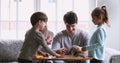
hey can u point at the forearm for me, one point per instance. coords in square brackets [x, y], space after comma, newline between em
[41, 41]
[94, 46]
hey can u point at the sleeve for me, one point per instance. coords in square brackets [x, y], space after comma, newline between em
[99, 40]
[39, 37]
[56, 43]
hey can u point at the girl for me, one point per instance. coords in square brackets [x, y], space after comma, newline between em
[97, 42]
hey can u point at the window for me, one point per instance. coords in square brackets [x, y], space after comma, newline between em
[56, 9]
[15, 15]
[14, 19]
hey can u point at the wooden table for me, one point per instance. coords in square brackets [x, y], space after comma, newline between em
[66, 57]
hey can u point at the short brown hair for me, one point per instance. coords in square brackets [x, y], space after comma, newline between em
[70, 17]
[38, 16]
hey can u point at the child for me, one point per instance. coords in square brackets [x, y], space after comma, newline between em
[97, 42]
[33, 39]
[48, 35]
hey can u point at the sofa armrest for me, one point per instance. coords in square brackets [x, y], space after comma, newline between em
[112, 55]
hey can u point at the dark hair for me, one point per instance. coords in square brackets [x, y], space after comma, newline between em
[101, 11]
[70, 17]
[38, 16]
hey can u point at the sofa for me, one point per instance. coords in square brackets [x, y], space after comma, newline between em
[9, 50]
[112, 55]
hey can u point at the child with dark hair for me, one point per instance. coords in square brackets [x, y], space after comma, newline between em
[98, 39]
[33, 39]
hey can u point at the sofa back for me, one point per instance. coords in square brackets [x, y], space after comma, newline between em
[9, 50]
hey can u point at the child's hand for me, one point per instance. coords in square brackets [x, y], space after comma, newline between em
[62, 51]
[47, 55]
[84, 54]
[83, 49]
[76, 48]
[44, 54]
[48, 40]
[59, 56]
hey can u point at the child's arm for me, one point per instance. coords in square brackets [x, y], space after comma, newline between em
[43, 53]
[39, 38]
[98, 38]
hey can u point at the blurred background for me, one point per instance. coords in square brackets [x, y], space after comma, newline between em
[15, 16]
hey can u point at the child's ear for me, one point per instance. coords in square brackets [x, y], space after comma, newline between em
[101, 17]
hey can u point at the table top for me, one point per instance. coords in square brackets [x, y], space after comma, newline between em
[66, 57]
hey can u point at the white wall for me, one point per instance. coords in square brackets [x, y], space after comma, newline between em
[113, 39]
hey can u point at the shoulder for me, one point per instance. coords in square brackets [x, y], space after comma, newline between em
[61, 33]
[82, 32]
[33, 34]
[59, 36]
[29, 31]
[101, 29]
[36, 33]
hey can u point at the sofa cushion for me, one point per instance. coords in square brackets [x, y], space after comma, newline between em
[9, 50]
